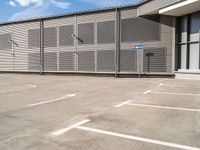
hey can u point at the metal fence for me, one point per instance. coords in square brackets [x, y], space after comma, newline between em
[78, 44]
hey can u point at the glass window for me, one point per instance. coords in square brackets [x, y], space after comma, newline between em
[194, 56]
[189, 47]
[183, 29]
[194, 27]
[183, 57]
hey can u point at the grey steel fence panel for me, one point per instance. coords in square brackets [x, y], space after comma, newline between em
[50, 61]
[60, 44]
[66, 34]
[86, 33]
[140, 29]
[50, 37]
[106, 61]
[5, 41]
[128, 60]
[33, 38]
[66, 61]
[106, 32]
[156, 62]
[86, 61]
[25, 42]
[6, 51]
[33, 61]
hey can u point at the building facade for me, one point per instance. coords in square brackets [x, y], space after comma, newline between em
[103, 41]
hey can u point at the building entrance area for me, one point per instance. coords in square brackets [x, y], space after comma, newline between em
[189, 56]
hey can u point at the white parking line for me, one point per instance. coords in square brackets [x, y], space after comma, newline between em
[175, 85]
[169, 93]
[14, 89]
[130, 137]
[164, 107]
[122, 104]
[64, 130]
[146, 92]
[54, 100]
[161, 84]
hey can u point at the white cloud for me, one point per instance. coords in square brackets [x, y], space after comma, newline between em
[60, 4]
[30, 12]
[11, 3]
[29, 2]
[40, 8]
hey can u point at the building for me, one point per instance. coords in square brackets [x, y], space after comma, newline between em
[105, 41]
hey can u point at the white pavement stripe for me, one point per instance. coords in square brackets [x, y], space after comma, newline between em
[146, 92]
[183, 94]
[18, 88]
[122, 104]
[64, 130]
[130, 137]
[54, 100]
[161, 84]
[182, 86]
[165, 107]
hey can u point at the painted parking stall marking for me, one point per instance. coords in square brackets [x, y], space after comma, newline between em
[122, 104]
[130, 103]
[64, 130]
[165, 107]
[19, 88]
[146, 92]
[161, 84]
[53, 100]
[170, 93]
[130, 137]
[120, 135]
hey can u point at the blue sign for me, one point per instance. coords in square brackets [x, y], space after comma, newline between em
[139, 46]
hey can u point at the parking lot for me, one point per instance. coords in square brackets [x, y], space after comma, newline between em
[54, 112]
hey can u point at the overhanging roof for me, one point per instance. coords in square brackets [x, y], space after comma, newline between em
[181, 8]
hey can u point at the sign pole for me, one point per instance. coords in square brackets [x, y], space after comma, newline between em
[139, 75]
[139, 48]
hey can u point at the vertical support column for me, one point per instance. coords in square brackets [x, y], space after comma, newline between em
[13, 47]
[95, 43]
[174, 45]
[199, 49]
[41, 47]
[177, 45]
[76, 44]
[187, 43]
[117, 42]
[139, 61]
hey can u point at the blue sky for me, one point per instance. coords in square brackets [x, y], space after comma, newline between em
[23, 9]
